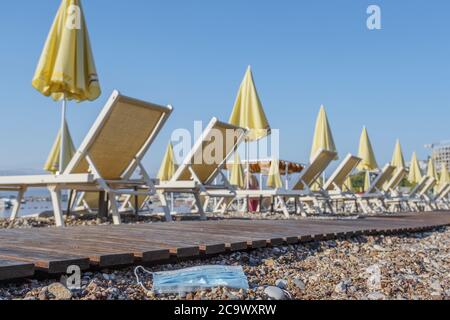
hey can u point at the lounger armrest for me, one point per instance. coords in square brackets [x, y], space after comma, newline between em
[167, 186]
[46, 180]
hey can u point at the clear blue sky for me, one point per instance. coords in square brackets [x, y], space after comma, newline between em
[193, 54]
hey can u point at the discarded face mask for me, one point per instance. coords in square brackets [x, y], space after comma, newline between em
[199, 278]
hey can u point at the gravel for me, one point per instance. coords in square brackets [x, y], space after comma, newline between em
[413, 266]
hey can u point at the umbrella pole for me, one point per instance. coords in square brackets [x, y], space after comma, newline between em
[63, 136]
[247, 155]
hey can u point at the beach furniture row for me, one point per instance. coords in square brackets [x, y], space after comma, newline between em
[110, 161]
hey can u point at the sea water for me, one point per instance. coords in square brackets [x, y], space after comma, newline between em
[31, 208]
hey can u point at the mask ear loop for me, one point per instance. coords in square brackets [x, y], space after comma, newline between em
[138, 280]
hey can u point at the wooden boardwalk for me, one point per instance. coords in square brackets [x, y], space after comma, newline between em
[52, 250]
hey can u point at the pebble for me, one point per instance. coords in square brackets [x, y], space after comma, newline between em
[376, 296]
[59, 291]
[341, 288]
[275, 293]
[299, 284]
[282, 284]
[436, 286]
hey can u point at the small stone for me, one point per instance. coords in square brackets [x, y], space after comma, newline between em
[378, 248]
[43, 294]
[376, 296]
[253, 262]
[341, 288]
[106, 277]
[59, 291]
[269, 262]
[275, 293]
[299, 284]
[282, 284]
[436, 286]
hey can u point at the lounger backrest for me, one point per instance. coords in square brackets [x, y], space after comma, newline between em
[210, 153]
[120, 137]
[317, 167]
[432, 182]
[443, 192]
[418, 188]
[395, 181]
[341, 174]
[381, 179]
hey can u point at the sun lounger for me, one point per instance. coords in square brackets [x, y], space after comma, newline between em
[423, 200]
[334, 185]
[200, 172]
[311, 201]
[372, 201]
[393, 196]
[300, 197]
[108, 158]
[413, 201]
[441, 200]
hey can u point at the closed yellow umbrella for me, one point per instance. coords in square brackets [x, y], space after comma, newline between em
[415, 174]
[52, 164]
[274, 179]
[366, 153]
[398, 160]
[237, 172]
[248, 111]
[431, 172]
[168, 165]
[445, 177]
[66, 69]
[323, 138]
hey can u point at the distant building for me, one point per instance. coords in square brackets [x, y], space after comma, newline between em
[441, 154]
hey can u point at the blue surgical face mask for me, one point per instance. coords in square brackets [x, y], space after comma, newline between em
[199, 278]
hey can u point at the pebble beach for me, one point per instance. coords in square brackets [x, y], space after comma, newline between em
[407, 266]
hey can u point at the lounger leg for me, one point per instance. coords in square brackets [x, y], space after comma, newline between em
[16, 208]
[199, 206]
[114, 209]
[363, 206]
[125, 204]
[165, 206]
[206, 202]
[55, 194]
[283, 207]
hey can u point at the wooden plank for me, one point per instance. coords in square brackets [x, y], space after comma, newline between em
[10, 270]
[102, 256]
[234, 241]
[114, 237]
[101, 242]
[53, 250]
[52, 263]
